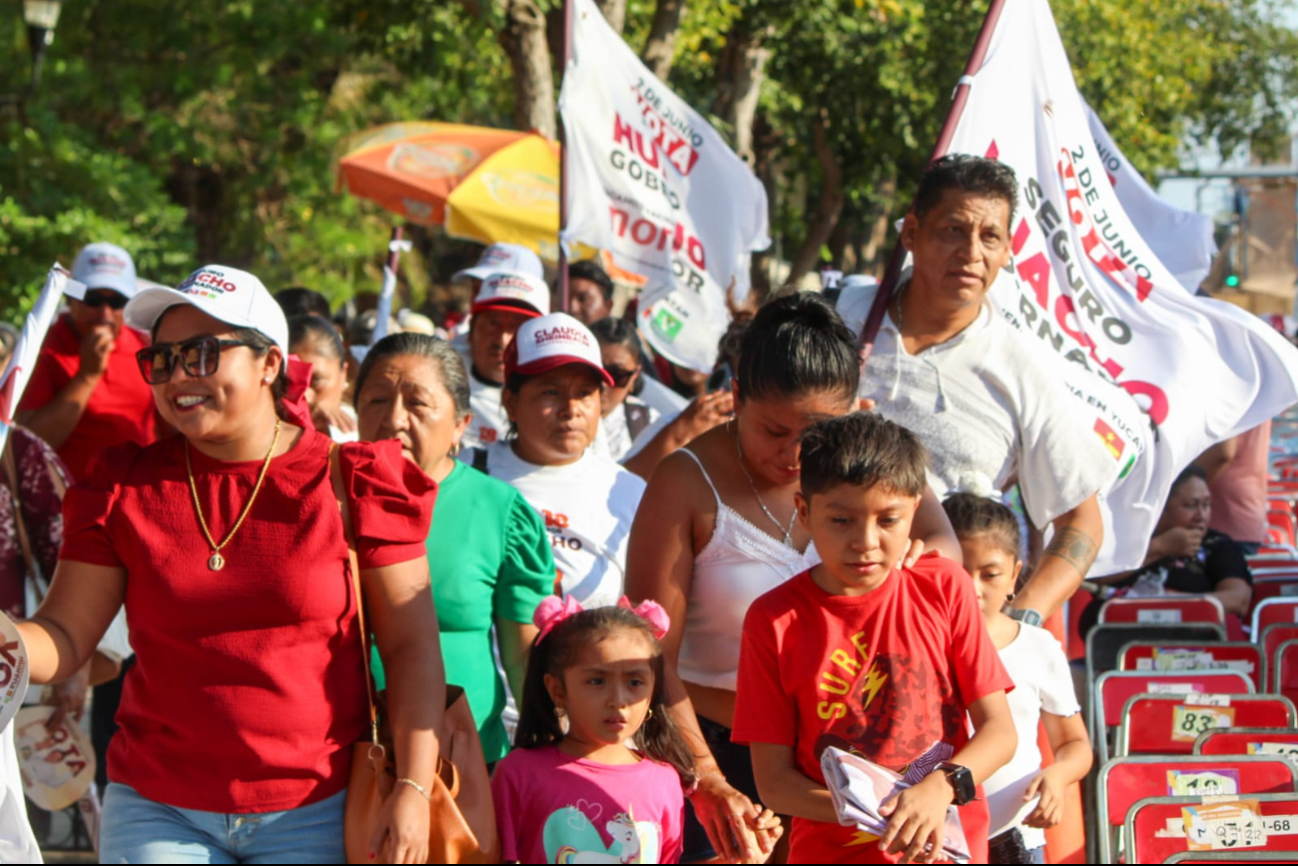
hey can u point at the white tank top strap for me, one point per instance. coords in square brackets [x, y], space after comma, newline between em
[706, 476]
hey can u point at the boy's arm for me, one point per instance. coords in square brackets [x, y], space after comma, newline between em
[786, 789]
[917, 816]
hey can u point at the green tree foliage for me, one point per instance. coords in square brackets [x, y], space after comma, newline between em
[209, 131]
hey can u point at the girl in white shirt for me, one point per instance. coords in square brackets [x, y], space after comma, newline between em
[1023, 798]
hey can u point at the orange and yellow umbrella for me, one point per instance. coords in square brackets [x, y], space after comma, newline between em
[485, 185]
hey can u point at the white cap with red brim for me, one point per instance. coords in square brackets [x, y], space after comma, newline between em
[233, 296]
[105, 266]
[521, 292]
[552, 341]
[503, 258]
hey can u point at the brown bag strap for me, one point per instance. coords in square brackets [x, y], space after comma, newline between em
[340, 493]
[24, 540]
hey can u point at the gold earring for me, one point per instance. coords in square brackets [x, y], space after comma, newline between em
[649, 715]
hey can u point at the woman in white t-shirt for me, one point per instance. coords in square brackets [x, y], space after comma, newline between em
[625, 417]
[553, 380]
[1023, 798]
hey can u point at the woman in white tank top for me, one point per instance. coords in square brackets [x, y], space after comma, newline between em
[716, 529]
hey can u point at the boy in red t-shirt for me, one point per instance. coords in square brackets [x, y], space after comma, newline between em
[873, 657]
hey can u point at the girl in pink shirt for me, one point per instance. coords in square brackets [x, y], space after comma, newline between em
[570, 791]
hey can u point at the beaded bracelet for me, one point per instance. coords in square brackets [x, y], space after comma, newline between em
[418, 787]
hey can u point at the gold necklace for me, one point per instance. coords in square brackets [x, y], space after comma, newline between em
[216, 561]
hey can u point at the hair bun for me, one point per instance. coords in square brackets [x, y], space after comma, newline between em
[975, 484]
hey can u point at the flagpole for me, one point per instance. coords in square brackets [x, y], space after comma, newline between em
[563, 160]
[958, 101]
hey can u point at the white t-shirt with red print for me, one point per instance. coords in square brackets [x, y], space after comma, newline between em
[588, 507]
[489, 422]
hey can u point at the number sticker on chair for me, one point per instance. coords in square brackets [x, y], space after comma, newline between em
[1188, 722]
[1206, 783]
[1224, 826]
[1156, 615]
[1288, 749]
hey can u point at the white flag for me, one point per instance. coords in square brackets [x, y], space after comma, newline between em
[1088, 285]
[23, 360]
[1181, 239]
[651, 182]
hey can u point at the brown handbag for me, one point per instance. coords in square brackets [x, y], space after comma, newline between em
[462, 819]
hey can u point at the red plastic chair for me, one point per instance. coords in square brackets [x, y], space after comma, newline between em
[1282, 520]
[1145, 832]
[1273, 611]
[1240, 656]
[1114, 689]
[1247, 741]
[1274, 635]
[1163, 609]
[1123, 781]
[1278, 586]
[1285, 670]
[1170, 725]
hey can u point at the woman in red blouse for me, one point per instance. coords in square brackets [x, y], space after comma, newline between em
[227, 547]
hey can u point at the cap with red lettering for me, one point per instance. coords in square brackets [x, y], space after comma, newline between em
[503, 258]
[552, 341]
[105, 266]
[233, 296]
[522, 293]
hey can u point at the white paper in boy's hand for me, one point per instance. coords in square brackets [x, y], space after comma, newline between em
[859, 787]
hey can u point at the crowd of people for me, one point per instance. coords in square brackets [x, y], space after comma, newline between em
[669, 596]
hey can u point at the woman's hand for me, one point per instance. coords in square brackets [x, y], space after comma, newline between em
[917, 820]
[1050, 811]
[324, 417]
[402, 832]
[730, 819]
[68, 698]
[914, 553]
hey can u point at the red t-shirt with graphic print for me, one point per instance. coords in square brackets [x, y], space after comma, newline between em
[888, 675]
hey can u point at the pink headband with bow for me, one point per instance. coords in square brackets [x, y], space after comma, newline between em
[554, 610]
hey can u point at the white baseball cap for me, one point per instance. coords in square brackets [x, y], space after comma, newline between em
[553, 341]
[521, 293]
[503, 258]
[105, 266]
[235, 297]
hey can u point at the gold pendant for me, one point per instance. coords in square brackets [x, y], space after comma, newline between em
[217, 562]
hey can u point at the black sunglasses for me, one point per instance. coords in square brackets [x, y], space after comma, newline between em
[620, 376]
[114, 300]
[200, 357]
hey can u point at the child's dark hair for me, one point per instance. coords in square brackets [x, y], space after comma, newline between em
[538, 723]
[798, 345]
[971, 515]
[862, 449]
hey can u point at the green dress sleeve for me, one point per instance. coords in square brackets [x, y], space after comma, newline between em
[527, 570]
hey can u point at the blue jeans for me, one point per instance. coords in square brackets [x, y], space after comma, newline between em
[136, 830]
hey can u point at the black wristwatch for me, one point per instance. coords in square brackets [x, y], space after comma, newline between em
[961, 782]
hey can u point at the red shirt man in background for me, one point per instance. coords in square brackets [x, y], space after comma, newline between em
[86, 393]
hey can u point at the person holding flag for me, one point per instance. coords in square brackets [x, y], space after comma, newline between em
[985, 404]
[85, 393]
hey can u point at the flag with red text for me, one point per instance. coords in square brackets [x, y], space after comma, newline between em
[1160, 373]
[1181, 239]
[650, 181]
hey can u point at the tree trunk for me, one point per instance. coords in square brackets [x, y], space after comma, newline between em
[746, 57]
[874, 250]
[614, 13]
[523, 38]
[827, 209]
[660, 48]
